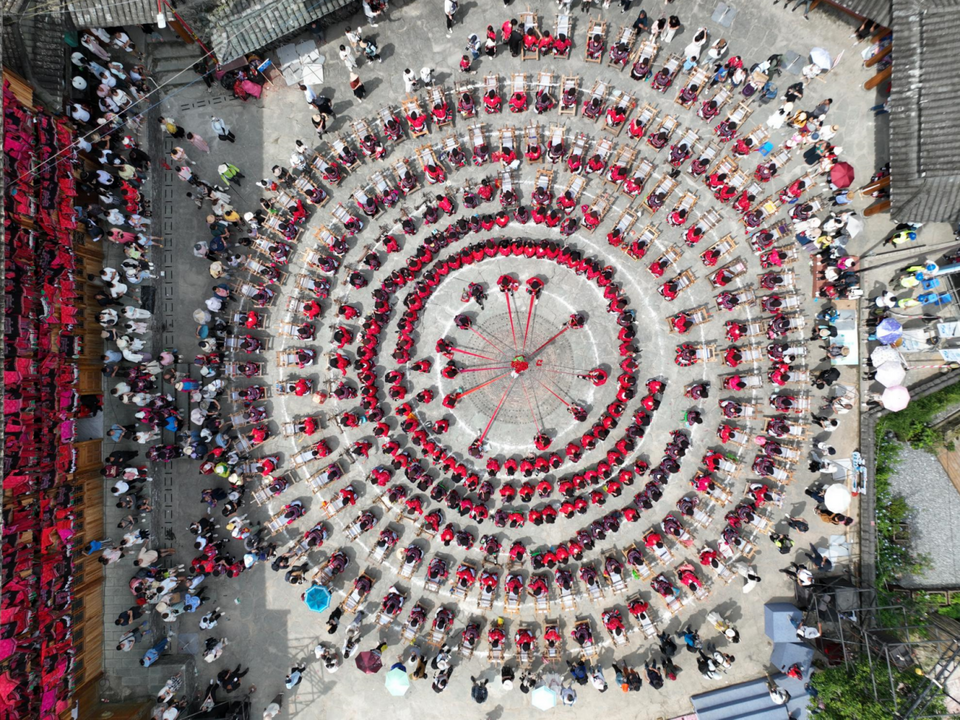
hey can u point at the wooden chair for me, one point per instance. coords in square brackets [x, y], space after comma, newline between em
[597, 99]
[647, 50]
[619, 99]
[594, 28]
[505, 178]
[564, 27]
[341, 147]
[706, 154]
[344, 216]
[637, 247]
[411, 105]
[601, 205]
[723, 246]
[321, 164]
[721, 96]
[697, 316]
[427, 156]
[529, 22]
[569, 84]
[575, 186]
[666, 185]
[623, 159]
[667, 260]
[696, 82]
[385, 115]
[671, 67]
[667, 125]
[531, 137]
[507, 138]
[460, 89]
[436, 96]
[477, 140]
[626, 37]
[491, 82]
[641, 173]
[625, 223]
[401, 169]
[518, 84]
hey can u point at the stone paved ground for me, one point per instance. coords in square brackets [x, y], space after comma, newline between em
[270, 627]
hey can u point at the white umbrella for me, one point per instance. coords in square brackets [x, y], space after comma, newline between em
[837, 498]
[821, 57]
[895, 398]
[854, 225]
[884, 353]
[891, 373]
[543, 698]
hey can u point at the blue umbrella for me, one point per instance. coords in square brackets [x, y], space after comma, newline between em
[317, 598]
[889, 331]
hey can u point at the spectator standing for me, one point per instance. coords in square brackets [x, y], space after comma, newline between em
[410, 82]
[348, 58]
[359, 91]
[371, 13]
[450, 10]
[222, 129]
[230, 173]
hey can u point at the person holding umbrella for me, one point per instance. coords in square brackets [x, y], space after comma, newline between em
[370, 661]
[397, 680]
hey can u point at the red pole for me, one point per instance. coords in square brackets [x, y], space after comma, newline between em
[488, 342]
[533, 299]
[482, 369]
[465, 352]
[497, 410]
[554, 394]
[565, 328]
[512, 330]
[483, 384]
[530, 405]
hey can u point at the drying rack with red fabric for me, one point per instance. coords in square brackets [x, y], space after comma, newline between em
[40, 376]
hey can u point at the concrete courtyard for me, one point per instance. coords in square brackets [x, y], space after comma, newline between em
[268, 627]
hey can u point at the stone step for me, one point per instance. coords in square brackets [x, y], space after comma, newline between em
[174, 48]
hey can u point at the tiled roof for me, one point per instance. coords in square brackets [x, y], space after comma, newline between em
[248, 25]
[106, 13]
[925, 112]
[34, 48]
[877, 10]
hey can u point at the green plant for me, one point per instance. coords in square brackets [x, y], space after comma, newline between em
[848, 693]
[912, 424]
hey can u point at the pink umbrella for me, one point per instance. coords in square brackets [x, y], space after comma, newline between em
[842, 175]
[369, 662]
[895, 398]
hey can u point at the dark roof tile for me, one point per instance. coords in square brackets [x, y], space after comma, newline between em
[925, 112]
